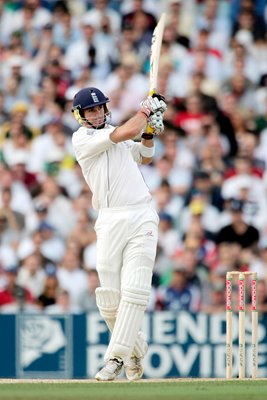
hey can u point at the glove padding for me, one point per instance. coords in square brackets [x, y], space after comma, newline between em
[155, 121]
[152, 104]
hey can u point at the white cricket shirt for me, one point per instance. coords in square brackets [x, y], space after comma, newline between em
[110, 169]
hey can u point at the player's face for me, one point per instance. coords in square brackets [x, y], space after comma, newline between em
[95, 115]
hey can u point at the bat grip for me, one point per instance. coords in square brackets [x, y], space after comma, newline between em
[149, 129]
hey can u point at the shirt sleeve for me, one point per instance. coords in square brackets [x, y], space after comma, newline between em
[90, 143]
[136, 151]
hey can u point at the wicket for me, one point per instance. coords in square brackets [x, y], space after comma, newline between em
[241, 317]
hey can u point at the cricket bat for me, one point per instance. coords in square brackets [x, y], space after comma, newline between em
[154, 58]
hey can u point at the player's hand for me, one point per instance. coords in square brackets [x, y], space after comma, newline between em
[152, 104]
[155, 121]
[162, 101]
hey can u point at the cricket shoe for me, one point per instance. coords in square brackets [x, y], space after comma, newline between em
[110, 371]
[134, 369]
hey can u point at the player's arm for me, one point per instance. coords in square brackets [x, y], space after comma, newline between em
[143, 152]
[130, 129]
[149, 145]
[136, 124]
[156, 127]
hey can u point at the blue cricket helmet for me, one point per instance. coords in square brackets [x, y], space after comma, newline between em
[88, 98]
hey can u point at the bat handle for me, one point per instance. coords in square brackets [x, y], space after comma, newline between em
[149, 129]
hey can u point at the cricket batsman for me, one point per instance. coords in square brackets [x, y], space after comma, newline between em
[127, 224]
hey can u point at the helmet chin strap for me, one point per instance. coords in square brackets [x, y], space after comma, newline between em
[93, 126]
[98, 126]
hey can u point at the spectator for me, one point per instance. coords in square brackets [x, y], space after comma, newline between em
[20, 173]
[13, 297]
[216, 299]
[167, 243]
[248, 145]
[71, 277]
[60, 214]
[201, 241]
[166, 202]
[190, 120]
[39, 15]
[53, 245]
[38, 115]
[87, 301]
[16, 129]
[65, 30]
[261, 98]
[202, 183]
[93, 50]
[181, 16]
[242, 91]
[180, 294]
[199, 85]
[49, 293]
[15, 219]
[101, 14]
[59, 76]
[191, 259]
[248, 21]
[137, 12]
[212, 19]
[227, 259]
[240, 58]
[20, 200]
[62, 305]
[4, 116]
[83, 231]
[238, 231]
[31, 276]
[17, 86]
[53, 140]
[200, 208]
[126, 78]
[241, 173]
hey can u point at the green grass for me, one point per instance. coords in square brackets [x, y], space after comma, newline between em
[194, 389]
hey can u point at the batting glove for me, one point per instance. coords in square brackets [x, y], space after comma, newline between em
[155, 121]
[152, 104]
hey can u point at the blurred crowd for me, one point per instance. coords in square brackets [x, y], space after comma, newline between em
[209, 175]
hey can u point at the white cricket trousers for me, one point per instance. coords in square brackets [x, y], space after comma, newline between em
[126, 246]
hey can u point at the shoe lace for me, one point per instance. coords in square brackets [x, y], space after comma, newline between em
[114, 362]
[136, 363]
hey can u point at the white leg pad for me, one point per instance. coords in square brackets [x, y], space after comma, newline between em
[108, 300]
[129, 319]
[140, 346]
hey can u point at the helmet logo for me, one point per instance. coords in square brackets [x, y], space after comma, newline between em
[94, 97]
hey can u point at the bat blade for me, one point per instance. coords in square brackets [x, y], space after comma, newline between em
[155, 53]
[154, 59]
